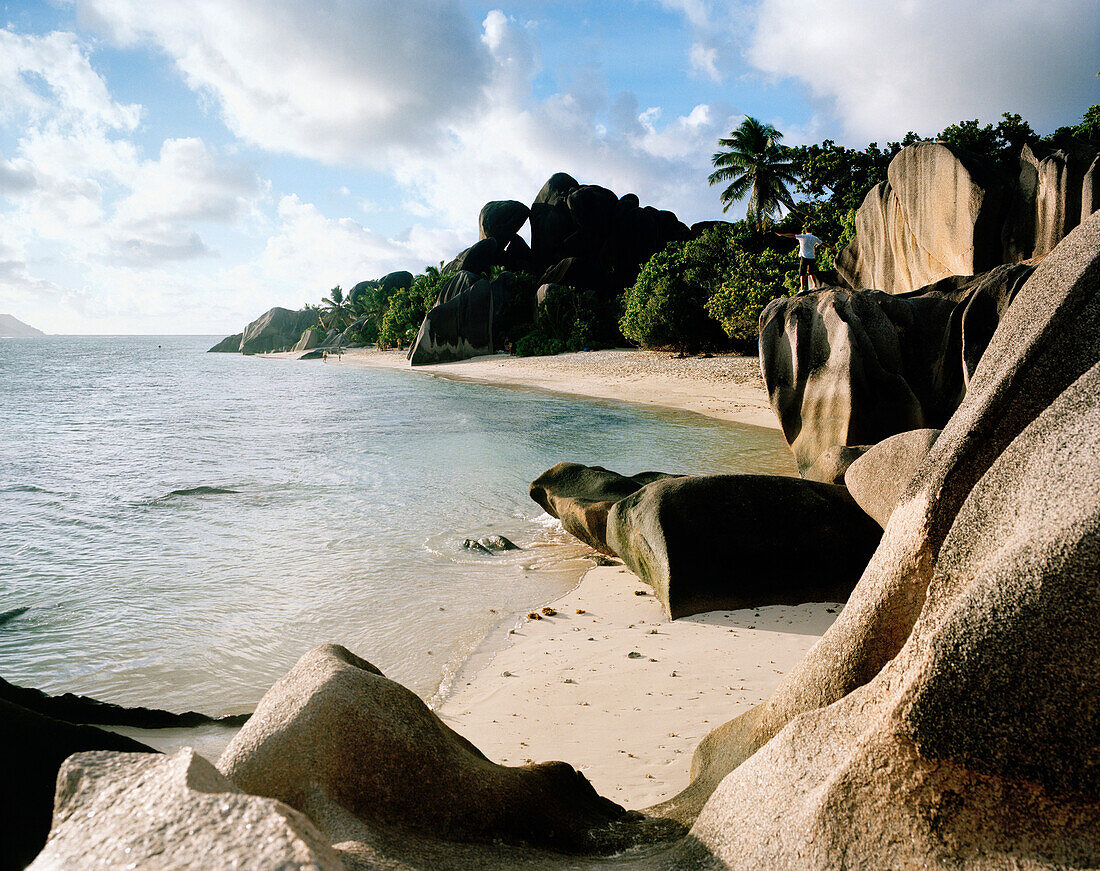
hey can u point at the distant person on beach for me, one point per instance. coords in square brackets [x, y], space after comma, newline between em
[807, 260]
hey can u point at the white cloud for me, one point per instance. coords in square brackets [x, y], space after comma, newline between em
[334, 80]
[886, 68]
[189, 182]
[704, 60]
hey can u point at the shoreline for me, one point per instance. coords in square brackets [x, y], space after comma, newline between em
[723, 387]
[561, 687]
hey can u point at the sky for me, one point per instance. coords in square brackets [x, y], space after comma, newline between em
[181, 166]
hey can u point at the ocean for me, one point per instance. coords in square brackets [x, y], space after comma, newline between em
[178, 527]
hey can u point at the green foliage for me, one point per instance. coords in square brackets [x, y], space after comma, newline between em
[666, 305]
[841, 176]
[755, 163]
[567, 320]
[402, 318]
[1000, 144]
[755, 279]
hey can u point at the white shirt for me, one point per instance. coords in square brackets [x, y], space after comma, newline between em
[807, 242]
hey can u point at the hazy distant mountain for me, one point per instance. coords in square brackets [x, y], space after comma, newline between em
[10, 326]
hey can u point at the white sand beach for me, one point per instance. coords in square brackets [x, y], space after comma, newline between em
[611, 686]
[607, 683]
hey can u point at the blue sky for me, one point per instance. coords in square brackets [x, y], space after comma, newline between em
[180, 166]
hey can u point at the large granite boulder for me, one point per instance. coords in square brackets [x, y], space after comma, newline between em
[738, 541]
[832, 463]
[855, 367]
[551, 221]
[501, 220]
[458, 283]
[394, 281]
[357, 752]
[1055, 191]
[228, 345]
[276, 330]
[877, 478]
[310, 339]
[982, 601]
[581, 496]
[944, 212]
[474, 322]
[478, 258]
[32, 747]
[130, 810]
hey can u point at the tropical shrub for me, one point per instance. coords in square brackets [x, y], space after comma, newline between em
[666, 305]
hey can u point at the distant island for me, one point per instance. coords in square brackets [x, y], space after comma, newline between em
[12, 327]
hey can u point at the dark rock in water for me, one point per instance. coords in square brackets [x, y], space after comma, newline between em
[833, 462]
[129, 810]
[855, 367]
[474, 322]
[498, 542]
[478, 258]
[581, 496]
[199, 491]
[501, 220]
[736, 541]
[474, 544]
[228, 345]
[11, 614]
[877, 479]
[276, 330]
[964, 663]
[340, 742]
[32, 748]
[83, 709]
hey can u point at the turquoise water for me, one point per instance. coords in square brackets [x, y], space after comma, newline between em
[352, 490]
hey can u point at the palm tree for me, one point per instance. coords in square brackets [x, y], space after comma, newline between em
[755, 164]
[337, 316]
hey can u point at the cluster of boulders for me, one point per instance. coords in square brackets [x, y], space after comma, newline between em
[949, 718]
[944, 212]
[716, 541]
[583, 237]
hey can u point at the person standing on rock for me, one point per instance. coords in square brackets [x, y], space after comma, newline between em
[807, 261]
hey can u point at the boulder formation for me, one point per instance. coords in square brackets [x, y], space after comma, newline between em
[944, 212]
[720, 542]
[358, 753]
[581, 497]
[278, 329]
[582, 236]
[878, 477]
[129, 810]
[473, 322]
[228, 345]
[854, 367]
[951, 711]
[502, 220]
[32, 747]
